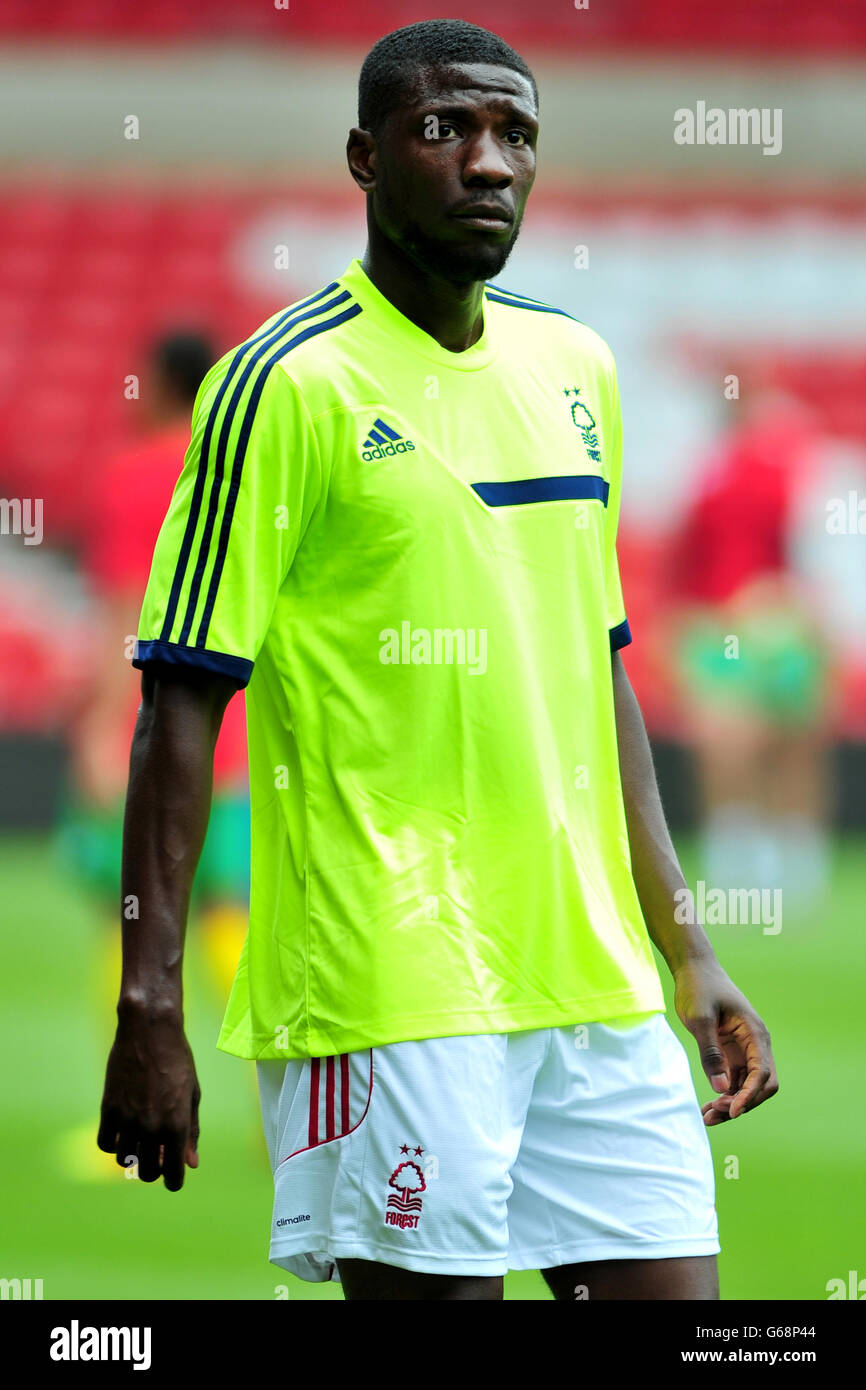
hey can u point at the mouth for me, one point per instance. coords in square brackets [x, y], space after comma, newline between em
[486, 219]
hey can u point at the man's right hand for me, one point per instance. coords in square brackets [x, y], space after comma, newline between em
[151, 1098]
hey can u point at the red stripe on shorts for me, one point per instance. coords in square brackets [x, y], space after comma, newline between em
[344, 1092]
[314, 1102]
[315, 1071]
[329, 1101]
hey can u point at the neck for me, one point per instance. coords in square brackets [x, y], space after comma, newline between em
[452, 314]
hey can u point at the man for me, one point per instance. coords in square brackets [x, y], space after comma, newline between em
[130, 495]
[397, 523]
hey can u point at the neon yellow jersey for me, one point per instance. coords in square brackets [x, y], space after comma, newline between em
[409, 554]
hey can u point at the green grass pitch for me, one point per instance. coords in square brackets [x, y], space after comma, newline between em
[791, 1220]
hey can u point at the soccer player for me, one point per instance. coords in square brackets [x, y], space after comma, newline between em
[396, 525]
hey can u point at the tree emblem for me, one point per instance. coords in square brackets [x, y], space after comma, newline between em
[584, 421]
[408, 1184]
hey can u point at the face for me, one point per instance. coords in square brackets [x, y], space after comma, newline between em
[453, 168]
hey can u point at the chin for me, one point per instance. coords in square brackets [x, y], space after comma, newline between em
[462, 264]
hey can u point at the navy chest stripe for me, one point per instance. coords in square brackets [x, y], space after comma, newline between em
[579, 487]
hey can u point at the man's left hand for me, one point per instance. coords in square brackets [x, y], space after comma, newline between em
[733, 1041]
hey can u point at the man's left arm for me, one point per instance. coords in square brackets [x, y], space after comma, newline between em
[733, 1041]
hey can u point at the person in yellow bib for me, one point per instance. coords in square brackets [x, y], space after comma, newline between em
[396, 528]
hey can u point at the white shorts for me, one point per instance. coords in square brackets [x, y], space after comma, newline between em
[478, 1154]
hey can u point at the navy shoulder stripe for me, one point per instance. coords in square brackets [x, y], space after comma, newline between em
[228, 420]
[241, 448]
[246, 360]
[198, 491]
[513, 294]
[523, 301]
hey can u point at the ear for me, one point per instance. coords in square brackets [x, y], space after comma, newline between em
[361, 158]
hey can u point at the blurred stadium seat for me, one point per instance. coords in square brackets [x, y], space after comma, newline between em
[789, 24]
[92, 269]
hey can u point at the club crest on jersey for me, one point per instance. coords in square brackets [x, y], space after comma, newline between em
[403, 1207]
[585, 422]
[383, 441]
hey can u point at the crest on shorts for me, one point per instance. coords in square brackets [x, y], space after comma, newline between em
[403, 1207]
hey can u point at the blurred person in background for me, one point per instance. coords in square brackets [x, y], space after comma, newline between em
[129, 501]
[752, 660]
[826, 548]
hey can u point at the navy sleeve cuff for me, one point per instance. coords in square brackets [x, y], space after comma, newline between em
[171, 654]
[620, 636]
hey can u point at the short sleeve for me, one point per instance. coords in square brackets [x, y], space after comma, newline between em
[250, 482]
[620, 633]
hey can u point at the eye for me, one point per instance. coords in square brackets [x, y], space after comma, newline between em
[446, 129]
[519, 137]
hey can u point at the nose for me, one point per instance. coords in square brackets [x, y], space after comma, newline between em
[485, 163]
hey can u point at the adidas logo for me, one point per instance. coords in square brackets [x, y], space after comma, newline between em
[382, 441]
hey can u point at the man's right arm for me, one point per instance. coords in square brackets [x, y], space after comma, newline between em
[151, 1095]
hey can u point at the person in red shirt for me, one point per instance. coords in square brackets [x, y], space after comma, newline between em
[751, 661]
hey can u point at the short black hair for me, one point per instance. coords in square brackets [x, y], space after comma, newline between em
[392, 65]
[183, 359]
